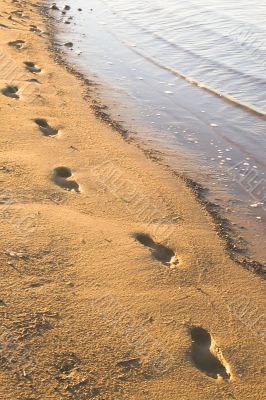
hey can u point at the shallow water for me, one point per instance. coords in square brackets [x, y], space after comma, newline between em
[189, 78]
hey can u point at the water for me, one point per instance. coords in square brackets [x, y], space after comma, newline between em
[189, 78]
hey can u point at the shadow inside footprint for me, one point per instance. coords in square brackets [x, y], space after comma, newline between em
[45, 128]
[17, 44]
[159, 251]
[31, 67]
[10, 91]
[61, 177]
[205, 354]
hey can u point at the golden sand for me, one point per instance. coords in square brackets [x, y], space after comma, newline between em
[114, 281]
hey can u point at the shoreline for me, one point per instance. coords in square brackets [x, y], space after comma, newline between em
[238, 252]
[111, 268]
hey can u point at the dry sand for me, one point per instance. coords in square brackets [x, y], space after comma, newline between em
[114, 281]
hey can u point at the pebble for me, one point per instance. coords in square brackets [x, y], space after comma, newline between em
[13, 254]
[255, 205]
[54, 7]
[70, 284]
[69, 44]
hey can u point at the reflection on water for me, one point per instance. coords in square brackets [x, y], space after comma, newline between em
[189, 77]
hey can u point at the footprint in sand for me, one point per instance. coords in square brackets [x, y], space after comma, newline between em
[10, 91]
[206, 356]
[18, 44]
[61, 177]
[160, 252]
[31, 67]
[45, 128]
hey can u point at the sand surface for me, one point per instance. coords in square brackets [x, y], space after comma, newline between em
[114, 281]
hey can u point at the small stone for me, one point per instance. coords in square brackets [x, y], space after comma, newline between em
[254, 205]
[14, 254]
[54, 7]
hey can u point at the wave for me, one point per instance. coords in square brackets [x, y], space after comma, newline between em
[226, 97]
[197, 55]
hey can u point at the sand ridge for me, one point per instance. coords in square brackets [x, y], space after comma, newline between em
[114, 281]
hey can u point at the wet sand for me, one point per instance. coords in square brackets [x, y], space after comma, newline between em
[115, 281]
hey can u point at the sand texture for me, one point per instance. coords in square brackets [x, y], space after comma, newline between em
[114, 281]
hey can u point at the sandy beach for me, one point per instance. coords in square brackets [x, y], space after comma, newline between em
[115, 283]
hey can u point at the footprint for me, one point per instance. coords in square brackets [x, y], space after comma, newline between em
[61, 177]
[159, 251]
[31, 67]
[206, 355]
[17, 44]
[45, 128]
[10, 91]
